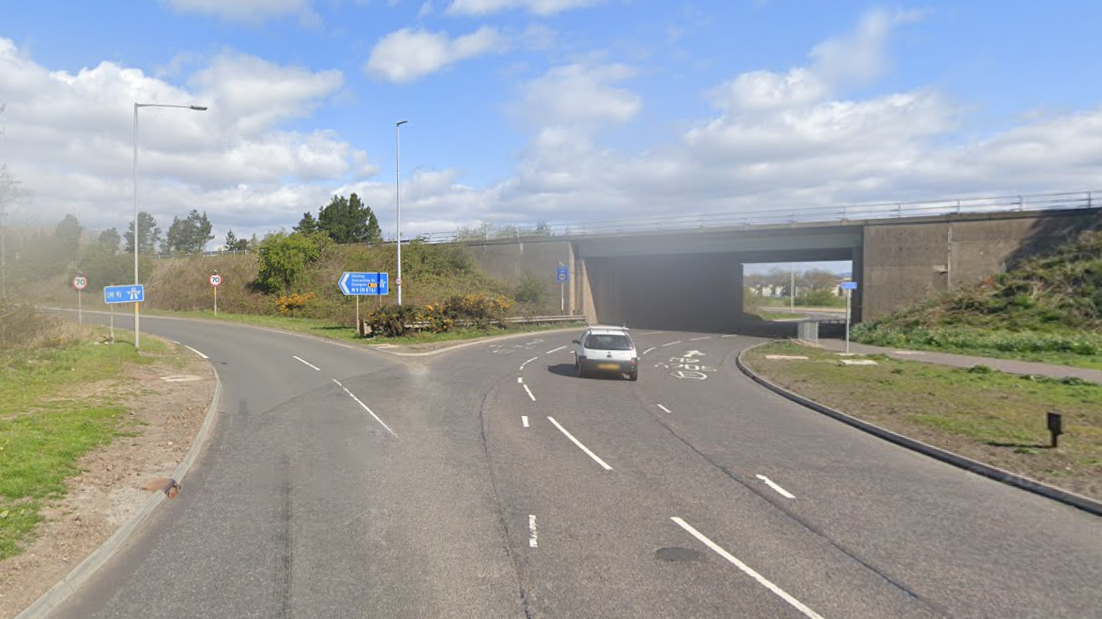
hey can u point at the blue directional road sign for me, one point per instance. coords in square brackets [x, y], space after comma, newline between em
[849, 285]
[364, 284]
[562, 274]
[130, 293]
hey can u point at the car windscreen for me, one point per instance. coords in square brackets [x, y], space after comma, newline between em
[608, 341]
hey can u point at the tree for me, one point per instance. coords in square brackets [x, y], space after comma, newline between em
[188, 236]
[284, 257]
[307, 225]
[235, 244]
[348, 220]
[68, 233]
[109, 241]
[149, 235]
[818, 279]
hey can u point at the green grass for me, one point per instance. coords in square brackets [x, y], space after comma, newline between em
[46, 426]
[985, 414]
[768, 315]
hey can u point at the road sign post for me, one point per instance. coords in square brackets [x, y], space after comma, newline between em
[215, 282]
[849, 287]
[562, 276]
[357, 284]
[80, 282]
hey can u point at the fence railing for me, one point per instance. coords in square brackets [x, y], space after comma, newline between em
[817, 214]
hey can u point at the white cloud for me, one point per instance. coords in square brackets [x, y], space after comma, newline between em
[580, 95]
[538, 7]
[407, 55]
[245, 10]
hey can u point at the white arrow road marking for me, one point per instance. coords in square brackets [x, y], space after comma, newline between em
[781, 491]
[353, 396]
[746, 569]
[527, 362]
[648, 350]
[693, 353]
[663, 408]
[671, 343]
[529, 393]
[196, 351]
[555, 350]
[533, 539]
[580, 446]
[307, 363]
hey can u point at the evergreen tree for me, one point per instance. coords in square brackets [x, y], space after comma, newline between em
[348, 220]
[149, 235]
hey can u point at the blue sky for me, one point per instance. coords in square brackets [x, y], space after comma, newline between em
[540, 110]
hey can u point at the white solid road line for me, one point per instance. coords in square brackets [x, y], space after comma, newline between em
[579, 444]
[652, 333]
[671, 343]
[663, 408]
[697, 339]
[527, 362]
[353, 396]
[524, 420]
[529, 393]
[533, 539]
[556, 350]
[781, 491]
[731, 335]
[748, 570]
[307, 363]
[648, 350]
[196, 351]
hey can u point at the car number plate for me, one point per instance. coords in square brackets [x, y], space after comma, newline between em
[609, 366]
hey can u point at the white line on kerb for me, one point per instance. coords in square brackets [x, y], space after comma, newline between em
[663, 408]
[353, 396]
[533, 540]
[524, 420]
[556, 350]
[697, 339]
[529, 393]
[747, 570]
[196, 351]
[781, 491]
[579, 444]
[527, 362]
[671, 343]
[648, 350]
[307, 363]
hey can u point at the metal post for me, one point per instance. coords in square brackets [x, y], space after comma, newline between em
[134, 236]
[849, 297]
[398, 199]
[562, 298]
[792, 290]
[80, 310]
[215, 300]
[359, 326]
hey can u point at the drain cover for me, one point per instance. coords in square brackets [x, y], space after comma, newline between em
[677, 554]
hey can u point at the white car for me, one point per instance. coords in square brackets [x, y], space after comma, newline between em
[606, 349]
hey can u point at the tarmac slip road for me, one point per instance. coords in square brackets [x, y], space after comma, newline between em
[489, 481]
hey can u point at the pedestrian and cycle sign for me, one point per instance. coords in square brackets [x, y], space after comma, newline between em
[849, 285]
[216, 280]
[354, 283]
[130, 293]
[80, 282]
[562, 274]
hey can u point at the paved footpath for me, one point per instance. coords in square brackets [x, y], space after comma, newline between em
[967, 361]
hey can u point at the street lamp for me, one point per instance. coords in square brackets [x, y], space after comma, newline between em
[197, 108]
[398, 198]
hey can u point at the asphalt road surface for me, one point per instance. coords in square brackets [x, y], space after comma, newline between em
[489, 481]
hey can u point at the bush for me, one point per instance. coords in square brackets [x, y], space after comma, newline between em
[393, 320]
[289, 304]
[477, 310]
[531, 291]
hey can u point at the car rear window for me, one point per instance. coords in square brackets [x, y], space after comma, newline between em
[608, 341]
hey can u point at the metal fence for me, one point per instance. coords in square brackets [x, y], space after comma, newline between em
[818, 214]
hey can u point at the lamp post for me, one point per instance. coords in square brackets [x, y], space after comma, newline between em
[398, 198]
[197, 108]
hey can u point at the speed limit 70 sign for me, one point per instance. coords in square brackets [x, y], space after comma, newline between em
[80, 282]
[215, 280]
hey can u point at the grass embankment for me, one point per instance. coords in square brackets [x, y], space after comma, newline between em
[49, 419]
[987, 415]
[1048, 309]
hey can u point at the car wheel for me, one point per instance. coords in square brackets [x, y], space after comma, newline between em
[578, 369]
[634, 376]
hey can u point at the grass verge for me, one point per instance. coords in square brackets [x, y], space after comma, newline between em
[48, 423]
[980, 413]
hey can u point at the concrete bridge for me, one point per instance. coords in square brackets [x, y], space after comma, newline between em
[692, 279]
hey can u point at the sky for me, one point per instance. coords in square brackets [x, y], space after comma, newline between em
[526, 111]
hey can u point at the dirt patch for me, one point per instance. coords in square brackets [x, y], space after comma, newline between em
[165, 415]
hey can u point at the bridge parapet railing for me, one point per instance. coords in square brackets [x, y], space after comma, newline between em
[780, 216]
